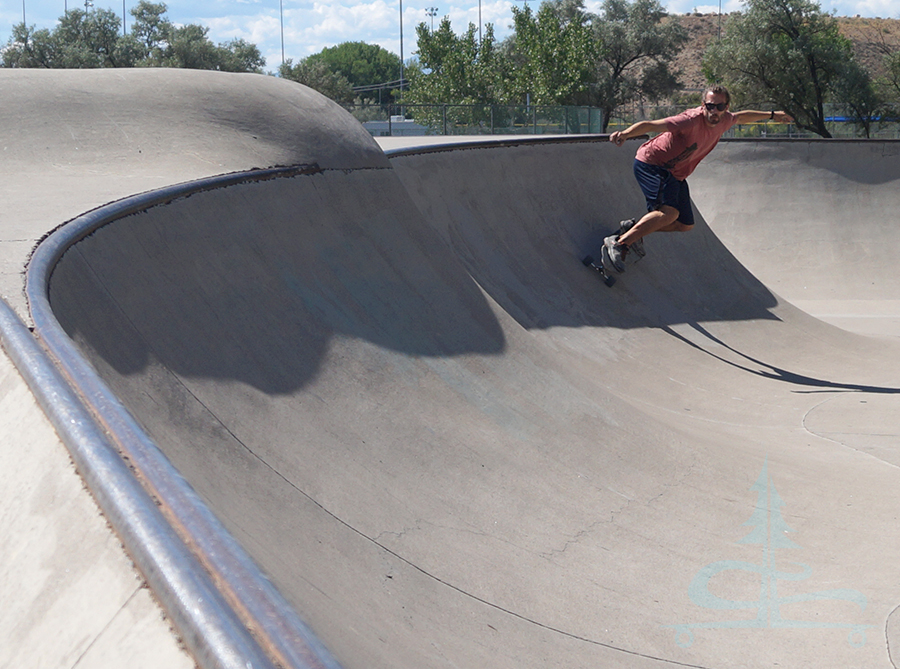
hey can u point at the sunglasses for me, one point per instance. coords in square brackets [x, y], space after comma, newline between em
[714, 106]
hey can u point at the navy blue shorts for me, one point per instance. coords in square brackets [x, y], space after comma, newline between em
[660, 187]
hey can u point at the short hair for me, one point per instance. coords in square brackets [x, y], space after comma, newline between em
[718, 90]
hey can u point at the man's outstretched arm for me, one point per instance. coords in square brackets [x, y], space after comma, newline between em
[752, 116]
[638, 129]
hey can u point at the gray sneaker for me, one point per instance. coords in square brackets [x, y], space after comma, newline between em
[614, 253]
[638, 246]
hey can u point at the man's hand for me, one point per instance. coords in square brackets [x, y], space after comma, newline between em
[617, 138]
[638, 129]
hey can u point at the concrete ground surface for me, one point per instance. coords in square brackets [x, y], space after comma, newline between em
[70, 595]
[449, 444]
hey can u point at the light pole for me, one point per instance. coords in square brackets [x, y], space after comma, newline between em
[432, 12]
[401, 48]
[479, 22]
[720, 19]
[281, 10]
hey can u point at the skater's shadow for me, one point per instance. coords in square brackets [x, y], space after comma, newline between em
[768, 371]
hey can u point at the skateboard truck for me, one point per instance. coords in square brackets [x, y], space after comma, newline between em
[588, 261]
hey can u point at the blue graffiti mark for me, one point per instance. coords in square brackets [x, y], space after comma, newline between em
[770, 531]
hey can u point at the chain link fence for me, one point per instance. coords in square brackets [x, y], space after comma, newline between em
[392, 120]
[411, 120]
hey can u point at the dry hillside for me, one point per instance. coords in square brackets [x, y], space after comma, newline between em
[869, 37]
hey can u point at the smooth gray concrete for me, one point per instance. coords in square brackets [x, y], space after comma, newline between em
[450, 445]
[815, 221]
[445, 440]
[72, 141]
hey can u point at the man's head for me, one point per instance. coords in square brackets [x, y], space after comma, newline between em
[715, 101]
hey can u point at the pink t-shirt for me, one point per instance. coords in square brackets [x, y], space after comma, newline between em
[687, 140]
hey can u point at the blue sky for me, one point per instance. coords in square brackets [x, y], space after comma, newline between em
[311, 25]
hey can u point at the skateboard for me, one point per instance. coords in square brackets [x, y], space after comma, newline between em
[608, 279]
[602, 268]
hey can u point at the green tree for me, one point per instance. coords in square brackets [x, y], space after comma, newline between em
[318, 76]
[460, 71]
[29, 47]
[570, 10]
[856, 92]
[361, 64]
[556, 56]
[456, 68]
[150, 26]
[786, 53]
[88, 39]
[891, 81]
[80, 40]
[239, 55]
[637, 44]
[189, 47]
[887, 84]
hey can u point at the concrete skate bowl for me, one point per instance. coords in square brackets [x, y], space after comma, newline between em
[447, 443]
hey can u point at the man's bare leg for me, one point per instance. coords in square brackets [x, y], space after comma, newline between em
[665, 219]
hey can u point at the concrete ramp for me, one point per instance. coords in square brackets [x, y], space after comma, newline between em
[449, 444]
[816, 221]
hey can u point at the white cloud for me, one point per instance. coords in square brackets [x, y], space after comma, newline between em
[886, 9]
[256, 29]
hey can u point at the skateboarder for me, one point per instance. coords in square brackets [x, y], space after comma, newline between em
[663, 163]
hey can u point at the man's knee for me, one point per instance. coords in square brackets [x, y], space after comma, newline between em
[669, 215]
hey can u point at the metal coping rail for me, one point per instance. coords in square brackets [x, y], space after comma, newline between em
[227, 612]
[466, 142]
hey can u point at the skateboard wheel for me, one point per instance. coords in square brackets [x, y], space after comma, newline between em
[588, 261]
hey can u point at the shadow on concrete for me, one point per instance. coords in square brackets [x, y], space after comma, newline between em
[767, 371]
[253, 283]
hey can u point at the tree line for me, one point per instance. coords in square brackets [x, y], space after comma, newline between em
[559, 55]
[779, 54]
[91, 39]
[784, 54]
